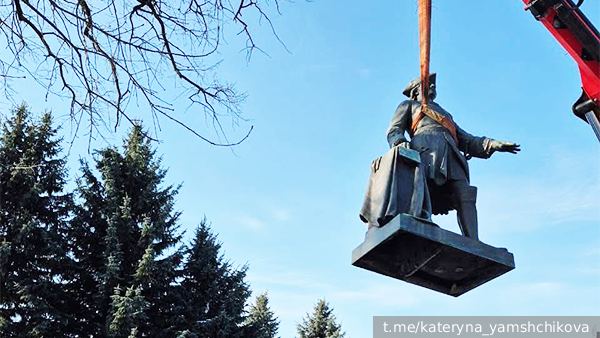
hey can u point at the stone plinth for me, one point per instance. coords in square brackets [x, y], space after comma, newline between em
[421, 253]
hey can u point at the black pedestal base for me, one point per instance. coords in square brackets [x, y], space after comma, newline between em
[422, 253]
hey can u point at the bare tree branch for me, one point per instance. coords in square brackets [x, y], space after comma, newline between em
[101, 55]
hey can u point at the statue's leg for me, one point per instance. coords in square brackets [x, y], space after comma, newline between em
[466, 197]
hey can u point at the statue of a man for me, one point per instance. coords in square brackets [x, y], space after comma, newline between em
[440, 141]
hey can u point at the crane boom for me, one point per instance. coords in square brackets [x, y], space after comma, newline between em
[565, 21]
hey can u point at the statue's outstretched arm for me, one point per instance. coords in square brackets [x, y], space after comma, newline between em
[481, 146]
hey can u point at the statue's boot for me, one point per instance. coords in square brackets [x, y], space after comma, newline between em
[467, 212]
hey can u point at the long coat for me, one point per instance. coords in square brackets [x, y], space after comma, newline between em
[441, 158]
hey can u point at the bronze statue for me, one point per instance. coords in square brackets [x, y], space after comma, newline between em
[444, 150]
[440, 142]
[420, 176]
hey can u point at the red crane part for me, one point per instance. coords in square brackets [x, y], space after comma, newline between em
[581, 40]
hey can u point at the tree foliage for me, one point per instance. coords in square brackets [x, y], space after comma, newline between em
[215, 293]
[104, 56]
[127, 218]
[261, 320]
[321, 323]
[33, 215]
[109, 262]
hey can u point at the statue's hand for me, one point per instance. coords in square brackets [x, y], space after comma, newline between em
[375, 164]
[507, 147]
[402, 143]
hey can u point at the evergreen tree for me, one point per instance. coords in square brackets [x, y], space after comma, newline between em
[125, 238]
[261, 321]
[33, 214]
[215, 292]
[320, 324]
[114, 266]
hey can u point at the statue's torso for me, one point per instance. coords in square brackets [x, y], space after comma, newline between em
[427, 123]
[439, 153]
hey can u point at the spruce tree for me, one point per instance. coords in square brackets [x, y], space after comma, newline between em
[125, 239]
[33, 214]
[320, 324]
[261, 321]
[110, 264]
[215, 293]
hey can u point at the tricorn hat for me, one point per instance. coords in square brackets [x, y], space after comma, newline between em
[416, 82]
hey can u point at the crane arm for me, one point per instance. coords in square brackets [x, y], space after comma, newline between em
[565, 21]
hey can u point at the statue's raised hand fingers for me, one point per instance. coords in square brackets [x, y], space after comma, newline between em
[510, 147]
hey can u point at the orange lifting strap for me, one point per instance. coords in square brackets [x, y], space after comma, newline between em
[425, 48]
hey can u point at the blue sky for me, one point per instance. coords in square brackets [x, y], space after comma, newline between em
[287, 201]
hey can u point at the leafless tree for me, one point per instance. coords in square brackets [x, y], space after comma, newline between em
[104, 54]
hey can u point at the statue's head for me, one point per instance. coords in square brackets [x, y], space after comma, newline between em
[413, 89]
